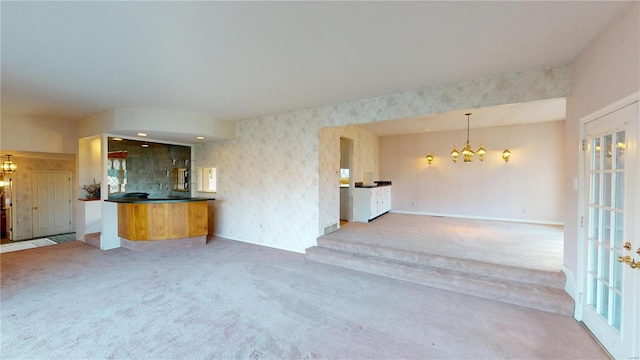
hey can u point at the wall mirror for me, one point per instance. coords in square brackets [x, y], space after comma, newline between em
[181, 179]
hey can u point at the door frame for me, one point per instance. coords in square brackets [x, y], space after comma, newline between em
[583, 179]
[10, 198]
[349, 154]
[70, 207]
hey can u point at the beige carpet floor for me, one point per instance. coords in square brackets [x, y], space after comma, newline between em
[523, 245]
[231, 300]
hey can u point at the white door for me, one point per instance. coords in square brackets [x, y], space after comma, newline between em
[611, 307]
[51, 199]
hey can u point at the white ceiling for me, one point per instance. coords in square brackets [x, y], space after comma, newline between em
[239, 60]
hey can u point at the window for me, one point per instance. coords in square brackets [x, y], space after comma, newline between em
[344, 177]
[117, 172]
[207, 179]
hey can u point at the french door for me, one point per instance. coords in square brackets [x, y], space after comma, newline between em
[611, 278]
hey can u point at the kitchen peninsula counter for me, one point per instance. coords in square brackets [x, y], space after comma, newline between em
[371, 200]
[145, 223]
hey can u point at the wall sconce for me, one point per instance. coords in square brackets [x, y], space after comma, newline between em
[481, 151]
[506, 155]
[455, 154]
[429, 158]
[3, 183]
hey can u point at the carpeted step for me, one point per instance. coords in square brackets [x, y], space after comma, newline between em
[507, 272]
[509, 291]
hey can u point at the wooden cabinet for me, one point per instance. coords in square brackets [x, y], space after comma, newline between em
[198, 218]
[162, 221]
[369, 203]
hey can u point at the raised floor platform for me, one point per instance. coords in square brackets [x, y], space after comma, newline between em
[515, 263]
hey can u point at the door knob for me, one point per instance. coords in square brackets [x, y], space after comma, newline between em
[35, 208]
[627, 246]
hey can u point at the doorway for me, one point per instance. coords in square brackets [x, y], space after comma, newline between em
[610, 273]
[346, 180]
[6, 208]
[51, 202]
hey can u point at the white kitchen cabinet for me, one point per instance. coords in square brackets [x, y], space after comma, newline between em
[371, 202]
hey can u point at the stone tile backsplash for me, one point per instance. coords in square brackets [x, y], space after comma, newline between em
[150, 169]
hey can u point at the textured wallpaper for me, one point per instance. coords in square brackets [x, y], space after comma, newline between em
[276, 180]
[22, 190]
[365, 158]
[267, 181]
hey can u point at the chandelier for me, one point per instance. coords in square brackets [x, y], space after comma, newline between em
[9, 166]
[467, 152]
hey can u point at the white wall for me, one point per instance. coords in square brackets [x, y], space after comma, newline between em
[89, 161]
[528, 188]
[35, 134]
[97, 124]
[173, 122]
[129, 122]
[607, 70]
[89, 165]
[272, 188]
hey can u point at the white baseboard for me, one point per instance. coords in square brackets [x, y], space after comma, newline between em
[570, 286]
[570, 282]
[540, 222]
[260, 244]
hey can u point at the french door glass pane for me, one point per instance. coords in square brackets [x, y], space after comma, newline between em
[592, 299]
[594, 225]
[595, 159]
[595, 188]
[593, 256]
[618, 237]
[606, 190]
[620, 148]
[603, 299]
[616, 276]
[604, 261]
[616, 316]
[606, 227]
[619, 191]
[608, 139]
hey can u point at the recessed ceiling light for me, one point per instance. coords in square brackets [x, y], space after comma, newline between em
[142, 134]
[200, 137]
[145, 145]
[117, 139]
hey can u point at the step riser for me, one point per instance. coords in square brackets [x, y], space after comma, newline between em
[534, 298]
[530, 276]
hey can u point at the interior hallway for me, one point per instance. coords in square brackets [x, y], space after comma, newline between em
[235, 300]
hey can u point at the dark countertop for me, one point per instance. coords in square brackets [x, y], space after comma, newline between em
[375, 184]
[135, 200]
